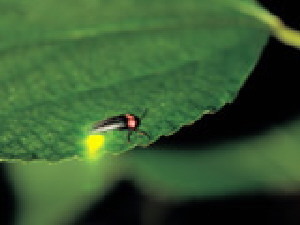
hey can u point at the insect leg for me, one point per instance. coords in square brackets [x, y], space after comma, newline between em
[129, 135]
[144, 114]
[143, 133]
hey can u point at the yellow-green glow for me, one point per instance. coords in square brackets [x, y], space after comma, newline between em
[93, 144]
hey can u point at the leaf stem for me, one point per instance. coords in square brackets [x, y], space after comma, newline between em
[282, 32]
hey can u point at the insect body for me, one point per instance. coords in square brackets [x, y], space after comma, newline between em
[129, 122]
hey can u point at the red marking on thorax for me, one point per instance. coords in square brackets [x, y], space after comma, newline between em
[131, 121]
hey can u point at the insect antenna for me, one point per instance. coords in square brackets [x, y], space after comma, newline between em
[144, 114]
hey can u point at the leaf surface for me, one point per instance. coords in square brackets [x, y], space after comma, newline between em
[65, 66]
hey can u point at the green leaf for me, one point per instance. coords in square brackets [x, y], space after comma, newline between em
[58, 193]
[268, 162]
[65, 66]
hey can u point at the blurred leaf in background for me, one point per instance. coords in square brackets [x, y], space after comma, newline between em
[267, 162]
[52, 194]
[55, 193]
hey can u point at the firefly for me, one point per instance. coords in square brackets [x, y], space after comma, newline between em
[127, 122]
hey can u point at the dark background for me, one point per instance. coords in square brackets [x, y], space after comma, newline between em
[269, 97]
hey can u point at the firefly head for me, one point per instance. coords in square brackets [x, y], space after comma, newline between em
[132, 121]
